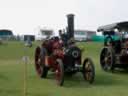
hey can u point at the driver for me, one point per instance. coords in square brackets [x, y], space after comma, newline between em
[71, 43]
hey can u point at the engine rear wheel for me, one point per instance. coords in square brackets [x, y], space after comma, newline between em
[59, 72]
[40, 67]
[88, 70]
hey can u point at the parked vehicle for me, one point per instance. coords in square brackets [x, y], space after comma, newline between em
[115, 51]
[63, 57]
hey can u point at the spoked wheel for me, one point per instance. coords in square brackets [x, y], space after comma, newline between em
[107, 59]
[88, 70]
[59, 72]
[39, 64]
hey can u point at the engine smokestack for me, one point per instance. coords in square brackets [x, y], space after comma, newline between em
[70, 28]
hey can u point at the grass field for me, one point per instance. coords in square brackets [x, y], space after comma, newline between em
[12, 75]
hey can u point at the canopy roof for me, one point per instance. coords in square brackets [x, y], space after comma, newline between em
[112, 27]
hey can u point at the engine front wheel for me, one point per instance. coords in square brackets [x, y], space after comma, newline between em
[107, 59]
[88, 70]
[59, 72]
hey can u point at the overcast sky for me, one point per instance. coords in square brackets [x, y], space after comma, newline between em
[26, 16]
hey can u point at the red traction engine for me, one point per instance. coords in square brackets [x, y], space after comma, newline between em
[63, 57]
[52, 56]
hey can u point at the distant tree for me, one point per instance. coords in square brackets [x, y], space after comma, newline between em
[6, 34]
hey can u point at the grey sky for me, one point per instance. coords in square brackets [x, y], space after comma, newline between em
[25, 16]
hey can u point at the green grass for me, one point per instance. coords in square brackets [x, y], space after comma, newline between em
[12, 75]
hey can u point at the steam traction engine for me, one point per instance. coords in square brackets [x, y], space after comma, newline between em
[115, 51]
[63, 57]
